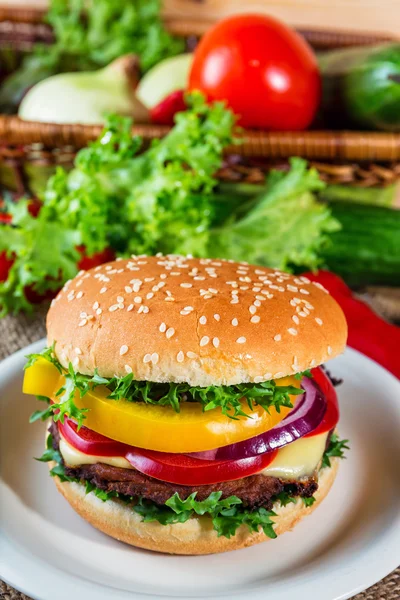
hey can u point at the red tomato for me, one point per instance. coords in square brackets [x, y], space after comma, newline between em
[89, 262]
[185, 470]
[331, 416]
[89, 442]
[5, 265]
[174, 468]
[163, 113]
[265, 71]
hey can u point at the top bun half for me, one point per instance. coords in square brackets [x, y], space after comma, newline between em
[200, 321]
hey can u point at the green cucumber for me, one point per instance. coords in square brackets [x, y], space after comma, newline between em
[367, 248]
[361, 87]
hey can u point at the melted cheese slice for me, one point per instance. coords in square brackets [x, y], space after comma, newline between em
[296, 460]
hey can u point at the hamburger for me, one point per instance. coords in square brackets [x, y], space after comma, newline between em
[187, 410]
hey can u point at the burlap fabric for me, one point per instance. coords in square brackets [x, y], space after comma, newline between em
[15, 333]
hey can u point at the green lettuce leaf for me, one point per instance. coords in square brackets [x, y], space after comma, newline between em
[336, 448]
[281, 226]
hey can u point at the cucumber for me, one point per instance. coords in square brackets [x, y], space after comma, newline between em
[366, 251]
[361, 87]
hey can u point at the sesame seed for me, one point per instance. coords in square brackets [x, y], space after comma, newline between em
[137, 299]
[319, 321]
[103, 290]
[292, 288]
[147, 358]
[256, 289]
[190, 354]
[149, 296]
[213, 290]
[169, 299]
[99, 311]
[180, 357]
[252, 309]
[320, 286]
[303, 291]
[198, 278]
[128, 369]
[277, 337]
[163, 276]
[261, 298]
[204, 340]
[78, 351]
[79, 294]
[120, 299]
[113, 308]
[82, 323]
[163, 328]
[296, 319]
[292, 331]
[186, 285]
[145, 309]
[95, 305]
[154, 358]
[215, 342]
[234, 301]
[148, 279]
[217, 317]
[267, 376]
[255, 319]
[128, 289]
[235, 322]
[140, 309]
[123, 350]
[170, 332]
[329, 350]
[279, 375]
[203, 320]
[258, 379]
[302, 313]
[241, 340]
[257, 303]
[130, 307]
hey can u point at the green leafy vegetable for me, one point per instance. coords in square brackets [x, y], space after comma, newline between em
[308, 501]
[227, 515]
[227, 398]
[281, 226]
[89, 35]
[336, 448]
[158, 201]
[50, 454]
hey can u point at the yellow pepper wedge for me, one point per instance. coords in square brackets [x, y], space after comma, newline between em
[157, 427]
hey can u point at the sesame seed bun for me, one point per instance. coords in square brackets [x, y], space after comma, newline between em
[200, 321]
[196, 536]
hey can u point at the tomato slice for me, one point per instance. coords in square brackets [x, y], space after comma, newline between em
[331, 416]
[185, 470]
[89, 442]
[165, 466]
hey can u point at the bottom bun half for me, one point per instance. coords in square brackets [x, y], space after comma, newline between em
[196, 536]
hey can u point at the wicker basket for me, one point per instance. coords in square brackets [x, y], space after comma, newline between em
[361, 158]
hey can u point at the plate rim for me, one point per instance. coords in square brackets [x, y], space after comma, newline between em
[20, 579]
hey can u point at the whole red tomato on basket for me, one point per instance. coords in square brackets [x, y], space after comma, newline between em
[266, 72]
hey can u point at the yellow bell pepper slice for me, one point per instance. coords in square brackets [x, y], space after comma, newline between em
[157, 427]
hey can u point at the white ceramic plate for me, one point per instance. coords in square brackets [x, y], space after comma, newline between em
[351, 541]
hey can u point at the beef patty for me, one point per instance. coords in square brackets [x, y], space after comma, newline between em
[254, 491]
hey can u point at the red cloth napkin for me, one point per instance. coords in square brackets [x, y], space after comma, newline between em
[368, 333]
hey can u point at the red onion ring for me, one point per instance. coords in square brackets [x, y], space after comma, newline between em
[306, 415]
